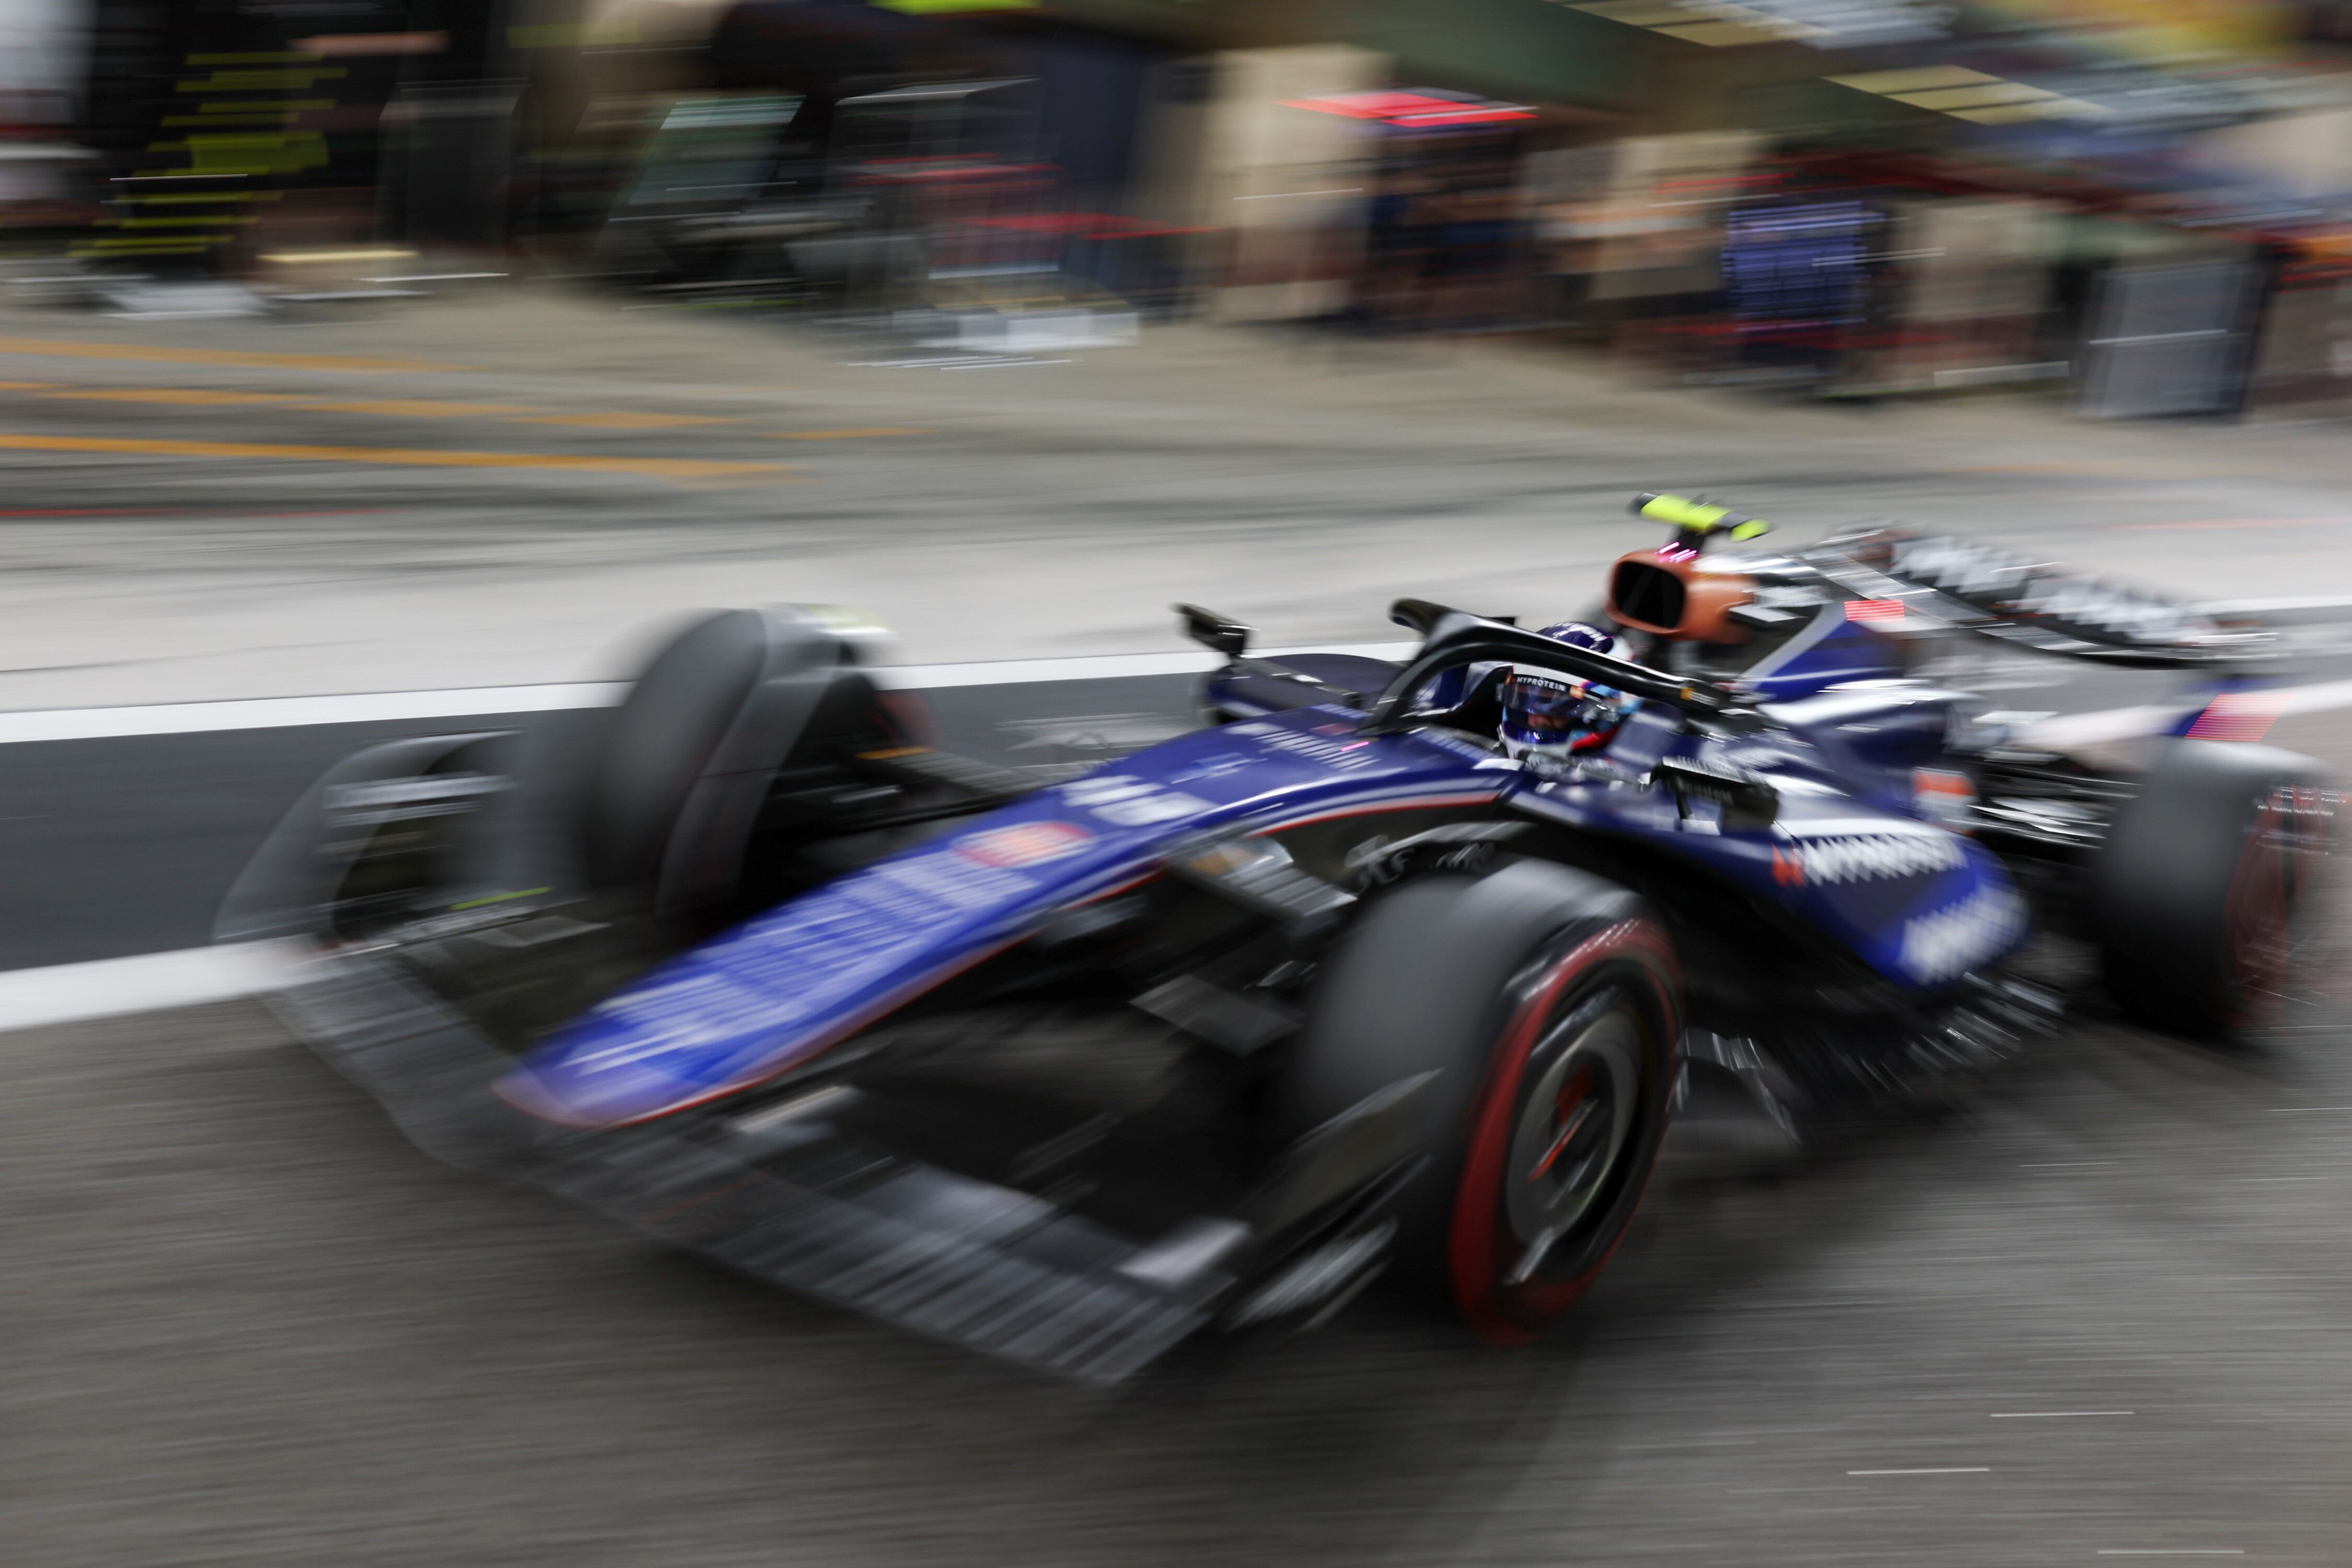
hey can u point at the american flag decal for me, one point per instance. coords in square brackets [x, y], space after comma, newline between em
[2239, 716]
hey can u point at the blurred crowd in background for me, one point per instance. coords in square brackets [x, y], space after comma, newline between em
[2145, 204]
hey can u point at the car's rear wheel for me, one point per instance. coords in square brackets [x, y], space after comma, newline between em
[2199, 892]
[1544, 1005]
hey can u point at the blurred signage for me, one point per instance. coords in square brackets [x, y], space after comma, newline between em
[1849, 24]
[1797, 263]
[2326, 21]
[2167, 29]
[329, 44]
[1824, 24]
[754, 110]
[1418, 109]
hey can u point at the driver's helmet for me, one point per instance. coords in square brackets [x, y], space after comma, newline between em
[1553, 715]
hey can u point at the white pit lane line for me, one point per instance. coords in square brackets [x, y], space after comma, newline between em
[468, 702]
[152, 982]
[148, 982]
[290, 712]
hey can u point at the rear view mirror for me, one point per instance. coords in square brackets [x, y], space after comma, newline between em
[1211, 630]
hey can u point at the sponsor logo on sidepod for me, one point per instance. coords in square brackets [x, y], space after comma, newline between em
[1343, 755]
[1960, 936]
[1024, 843]
[1125, 802]
[1866, 858]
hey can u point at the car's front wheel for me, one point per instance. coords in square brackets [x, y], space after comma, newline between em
[1541, 1008]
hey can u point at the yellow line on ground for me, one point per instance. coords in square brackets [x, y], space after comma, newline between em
[67, 348]
[421, 409]
[838, 435]
[191, 396]
[24, 385]
[658, 468]
[625, 421]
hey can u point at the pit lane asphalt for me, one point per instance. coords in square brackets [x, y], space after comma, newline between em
[2097, 1306]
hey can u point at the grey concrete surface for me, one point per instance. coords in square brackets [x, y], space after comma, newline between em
[1034, 509]
[249, 1325]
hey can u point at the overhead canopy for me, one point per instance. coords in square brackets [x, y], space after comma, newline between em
[823, 48]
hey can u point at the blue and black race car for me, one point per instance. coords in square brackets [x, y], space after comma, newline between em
[1388, 968]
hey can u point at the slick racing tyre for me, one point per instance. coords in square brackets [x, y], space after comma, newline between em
[2197, 894]
[727, 706]
[663, 736]
[1546, 1004]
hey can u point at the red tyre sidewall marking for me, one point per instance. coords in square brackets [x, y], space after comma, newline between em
[2313, 813]
[1474, 1242]
[2260, 890]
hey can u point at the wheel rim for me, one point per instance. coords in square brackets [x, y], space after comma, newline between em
[1505, 1287]
[2261, 908]
[1571, 1128]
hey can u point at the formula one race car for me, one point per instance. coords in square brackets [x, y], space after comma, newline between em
[1390, 967]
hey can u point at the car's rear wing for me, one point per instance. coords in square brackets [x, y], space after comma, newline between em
[1979, 588]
